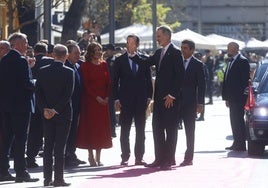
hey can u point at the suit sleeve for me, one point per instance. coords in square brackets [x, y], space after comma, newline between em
[178, 75]
[40, 97]
[201, 84]
[68, 91]
[116, 78]
[149, 82]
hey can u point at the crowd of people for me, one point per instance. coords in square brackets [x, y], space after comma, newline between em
[65, 96]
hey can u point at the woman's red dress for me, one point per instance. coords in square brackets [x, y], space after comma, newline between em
[94, 126]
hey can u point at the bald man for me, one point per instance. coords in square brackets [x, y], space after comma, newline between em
[235, 82]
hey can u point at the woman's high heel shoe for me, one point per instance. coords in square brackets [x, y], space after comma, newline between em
[92, 163]
[99, 163]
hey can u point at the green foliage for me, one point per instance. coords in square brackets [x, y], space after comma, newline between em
[142, 13]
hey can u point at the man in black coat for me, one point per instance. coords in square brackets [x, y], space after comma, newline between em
[73, 61]
[132, 93]
[110, 50]
[168, 83]
[16, 105]
[35, 136]
[193, 96]
[235, 82]
[54, 88]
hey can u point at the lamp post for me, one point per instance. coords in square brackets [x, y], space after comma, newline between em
[154, 15]
[47, 20]
[111, 21]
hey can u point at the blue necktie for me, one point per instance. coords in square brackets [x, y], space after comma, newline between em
[134, 68]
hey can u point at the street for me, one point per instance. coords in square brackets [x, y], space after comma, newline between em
[213, 166]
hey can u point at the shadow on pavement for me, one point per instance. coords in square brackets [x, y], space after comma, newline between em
[129, 172]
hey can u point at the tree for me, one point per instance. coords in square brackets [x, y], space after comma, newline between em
[72, 20]
[143, 14]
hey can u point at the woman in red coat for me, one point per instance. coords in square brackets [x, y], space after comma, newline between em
[94, 127]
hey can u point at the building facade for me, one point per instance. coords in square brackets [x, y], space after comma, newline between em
[239, 19]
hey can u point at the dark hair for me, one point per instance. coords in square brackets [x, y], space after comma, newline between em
[40, 47]
[190, 43]
[135, 37]
[91, 51]
[71, 47]
[165, 30]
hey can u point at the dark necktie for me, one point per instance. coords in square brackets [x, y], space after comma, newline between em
[77, 76]
[229, 66]
[134, 68]
[161, 57]
[185, 63]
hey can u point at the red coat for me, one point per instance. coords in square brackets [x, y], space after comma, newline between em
[94, 126]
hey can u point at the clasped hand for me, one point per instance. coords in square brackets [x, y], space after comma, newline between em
[168, 101]
[102, 101]
[49, 113]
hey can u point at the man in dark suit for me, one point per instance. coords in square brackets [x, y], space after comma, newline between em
[16, 105]
[54, 88]
[235, 82]
[168, 83]
[193, 96]
[35, 136]
[209, 63]
[110, 54]
[4, 49]
[132, 93]
[73, 61]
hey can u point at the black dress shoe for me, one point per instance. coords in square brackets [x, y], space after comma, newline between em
[80, 161]
[229, 148]
[48, 182]
[61, 184]
[210, 102]
[243, 148]
[32, 165]
[186, 163]
[153, 165]
[140, 162]
[71, 163]
[165, 166]
[25, 178]
[124, 162]
[200, 119]
[7, 177]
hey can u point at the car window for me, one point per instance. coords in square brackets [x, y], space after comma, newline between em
[260, 72]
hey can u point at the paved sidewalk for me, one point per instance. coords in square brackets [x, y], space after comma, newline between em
[213, 166]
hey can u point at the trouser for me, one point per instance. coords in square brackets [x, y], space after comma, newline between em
[15, 126]
[55, 132]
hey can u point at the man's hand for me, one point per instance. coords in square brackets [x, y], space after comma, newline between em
[199, 108]
[227, 103]
[117, 105]
[31, 61]
[49, 113]
[168, 101]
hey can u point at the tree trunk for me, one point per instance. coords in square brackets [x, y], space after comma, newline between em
[72, 20]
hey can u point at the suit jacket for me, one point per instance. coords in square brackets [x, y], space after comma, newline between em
[169, 78]
[129, 87]
[193, 89]
[76, 97]
[16, 83]
[54, 88]
[41, 61]
[236, 81]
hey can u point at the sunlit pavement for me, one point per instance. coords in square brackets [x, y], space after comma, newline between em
[213, 166]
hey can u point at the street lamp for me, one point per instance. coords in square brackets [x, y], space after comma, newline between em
[47, 20]
[154, 8]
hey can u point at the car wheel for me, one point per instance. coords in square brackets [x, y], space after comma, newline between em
[255, 148]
